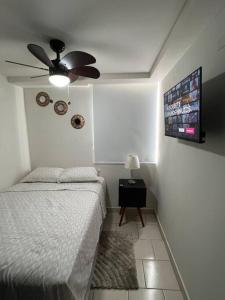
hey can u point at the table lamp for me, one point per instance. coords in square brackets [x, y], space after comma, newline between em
[132, 163]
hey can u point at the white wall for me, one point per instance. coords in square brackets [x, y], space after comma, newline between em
[191, 177]
[14, 151]
[52, 139]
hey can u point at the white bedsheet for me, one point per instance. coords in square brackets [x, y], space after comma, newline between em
[48, 237]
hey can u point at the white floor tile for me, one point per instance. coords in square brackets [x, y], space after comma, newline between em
[160, 275]
[147, 217]
[132, 216]
[156, 278]
[91, 295]
[144, 294]
[143, 249]
[110, 295]
[140, 274]
[173, 295]
[113, 218]
[108, 226]
[160, 250]
[150, 231]
[130, 229]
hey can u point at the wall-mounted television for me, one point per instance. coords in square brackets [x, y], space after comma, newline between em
[183, 108]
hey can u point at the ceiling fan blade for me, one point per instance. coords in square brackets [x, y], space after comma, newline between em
[38, 76]
[40, 54]
[86, 71]
[25, 65]
[73, 77]
[77, 59]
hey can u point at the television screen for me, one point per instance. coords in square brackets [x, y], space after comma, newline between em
[182, 108]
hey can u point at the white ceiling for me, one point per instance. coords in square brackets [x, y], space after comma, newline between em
[125, 36]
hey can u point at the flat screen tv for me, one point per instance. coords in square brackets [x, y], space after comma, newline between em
[183, 108]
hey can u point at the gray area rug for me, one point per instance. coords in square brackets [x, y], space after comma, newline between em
[115, 264]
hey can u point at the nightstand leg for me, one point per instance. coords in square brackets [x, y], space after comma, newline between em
[140, 215]
[121, 209]
[122, 214]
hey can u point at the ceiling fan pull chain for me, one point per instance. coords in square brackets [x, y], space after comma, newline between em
[68, 94]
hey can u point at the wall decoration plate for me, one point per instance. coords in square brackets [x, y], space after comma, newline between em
[43, 99]
[77, 121]
[61, 107]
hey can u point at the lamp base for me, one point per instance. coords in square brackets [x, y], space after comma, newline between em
[131, 181]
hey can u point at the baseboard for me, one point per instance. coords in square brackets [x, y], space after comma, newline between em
[145, 210]
[174, 264]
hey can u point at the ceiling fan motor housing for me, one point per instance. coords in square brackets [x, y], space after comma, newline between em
[58, 70]
[57, 46]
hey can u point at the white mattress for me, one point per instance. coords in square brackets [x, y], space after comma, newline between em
[48, 237]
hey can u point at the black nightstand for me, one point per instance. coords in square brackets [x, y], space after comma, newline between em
[132, 195]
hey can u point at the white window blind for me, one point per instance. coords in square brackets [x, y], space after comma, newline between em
[124, 122]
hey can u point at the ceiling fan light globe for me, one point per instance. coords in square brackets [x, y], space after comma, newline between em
[59, 80]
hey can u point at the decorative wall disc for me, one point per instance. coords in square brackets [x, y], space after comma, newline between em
[61, 107]
[43, 99]
[77, 121]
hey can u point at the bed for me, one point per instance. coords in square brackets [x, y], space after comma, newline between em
[48, 238]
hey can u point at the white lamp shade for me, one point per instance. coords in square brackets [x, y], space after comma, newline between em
[132, 162]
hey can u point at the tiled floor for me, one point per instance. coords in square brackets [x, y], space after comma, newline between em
[155, 274]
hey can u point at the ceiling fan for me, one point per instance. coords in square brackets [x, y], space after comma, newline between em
[62, 71]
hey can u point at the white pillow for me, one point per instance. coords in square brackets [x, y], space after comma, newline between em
[79, 174]
[43, 174]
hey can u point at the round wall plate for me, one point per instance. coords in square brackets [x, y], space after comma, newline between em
[61, 107]
[43, 99]
[77, 121]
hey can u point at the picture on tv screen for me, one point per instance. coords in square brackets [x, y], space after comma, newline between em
[182, 108]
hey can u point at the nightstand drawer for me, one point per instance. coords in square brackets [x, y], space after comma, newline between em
[132, 195]
[132, 198]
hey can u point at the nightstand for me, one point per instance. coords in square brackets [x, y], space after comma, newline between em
[132, 195]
